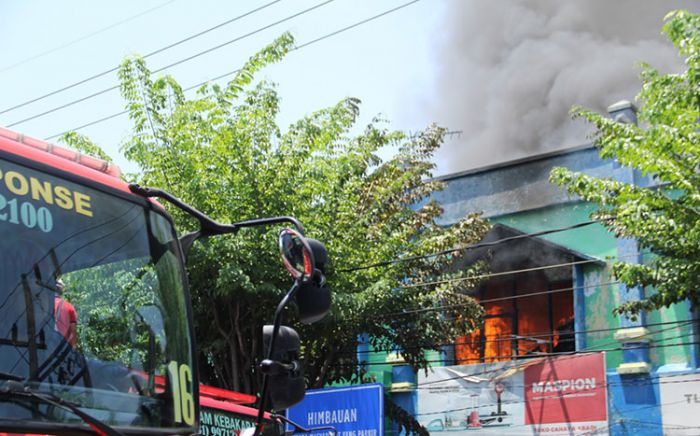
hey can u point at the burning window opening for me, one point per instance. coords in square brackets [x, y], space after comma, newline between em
[515, 326]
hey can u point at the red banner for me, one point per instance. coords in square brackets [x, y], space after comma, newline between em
[566, 389]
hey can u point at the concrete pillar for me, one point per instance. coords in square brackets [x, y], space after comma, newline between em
[579, 307]
[632, 334]
[403, 384]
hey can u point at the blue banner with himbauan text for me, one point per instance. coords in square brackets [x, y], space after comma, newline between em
[350, 411]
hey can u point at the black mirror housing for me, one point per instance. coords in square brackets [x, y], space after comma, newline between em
[313, 302]
[286, 388]
[314, 297]
[319, 252]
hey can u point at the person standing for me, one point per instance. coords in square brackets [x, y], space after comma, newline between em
[66, 316]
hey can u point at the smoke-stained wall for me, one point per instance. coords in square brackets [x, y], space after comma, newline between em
[511, 70]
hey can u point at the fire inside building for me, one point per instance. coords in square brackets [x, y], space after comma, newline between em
[520, 319]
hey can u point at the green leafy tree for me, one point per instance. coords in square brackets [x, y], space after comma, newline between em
[664, 219]
[108, 308]
[83, 144]
[222, 151]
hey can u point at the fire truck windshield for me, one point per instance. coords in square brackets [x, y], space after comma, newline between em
[93, 306]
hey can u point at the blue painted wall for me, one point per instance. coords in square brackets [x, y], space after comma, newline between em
[634, 405]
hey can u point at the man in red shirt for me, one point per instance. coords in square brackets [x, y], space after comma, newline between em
[66, 316]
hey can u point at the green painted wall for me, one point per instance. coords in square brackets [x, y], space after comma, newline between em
[601, 296]
[667, 332]
[378, 368]
[591, 240]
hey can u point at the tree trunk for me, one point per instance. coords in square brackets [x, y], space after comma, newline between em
[321, 377]
[245, 357]
[230, 341]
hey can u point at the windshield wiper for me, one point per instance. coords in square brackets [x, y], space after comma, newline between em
[15, 389]
[8, 376]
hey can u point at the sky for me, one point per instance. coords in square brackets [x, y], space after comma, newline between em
[47, 45]
[503, 73]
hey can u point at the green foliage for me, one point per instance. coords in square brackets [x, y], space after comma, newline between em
[107, 310]
[406, 422]
[222, 152]
[667, 146]
[83, 144]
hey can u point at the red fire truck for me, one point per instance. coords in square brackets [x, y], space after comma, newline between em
[78, 246]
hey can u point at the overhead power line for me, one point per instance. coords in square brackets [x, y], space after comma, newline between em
[470, 247]
[509, 272]
[522, 337]
[569, 354]
[520, 356]
[91, 123]
[500, 274]
[533, 293]
[359, 23]
[230, 73]
[622, 382]
[63, 106]
[667, 379]
[498, 299]
[606, 428]
[84, 37]
[613, 346]
[181, 61]
[111, 70]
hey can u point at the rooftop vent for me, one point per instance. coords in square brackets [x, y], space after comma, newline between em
[624, 112]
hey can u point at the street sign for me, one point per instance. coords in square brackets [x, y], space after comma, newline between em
[352, 411]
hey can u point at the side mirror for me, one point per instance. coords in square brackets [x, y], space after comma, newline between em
[286, 375]
[296, 253]
[306, 258]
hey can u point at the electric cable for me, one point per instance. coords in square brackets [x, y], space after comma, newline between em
[82, 38]
[600, 430]
[562, 355]
[381, 350]
[137, 232]
[507, 357]
[497, 299]
[573, 354]
[500, 274]
[359, 23]
[605, 428]
[91, 123]
[189, 58]
[79, 233]
[471, 247]
[230, 73]
[622, 421]
[491, 300]
[160, 50]
[494, 359]
[625, 382]
[510, 272]
[622, 382]
[660, 379]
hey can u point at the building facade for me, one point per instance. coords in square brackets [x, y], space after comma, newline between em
[550, 295]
